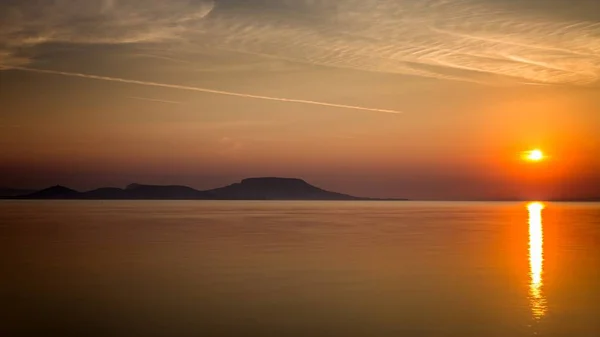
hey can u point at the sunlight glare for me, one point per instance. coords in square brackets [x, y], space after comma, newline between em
[534, 155]
[536, 259]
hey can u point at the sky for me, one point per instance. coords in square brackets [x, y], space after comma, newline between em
[423, 99]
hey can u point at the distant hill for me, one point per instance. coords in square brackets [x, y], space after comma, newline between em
[13, 192]
[269, 188]
[132, 192]
[104, 193]
[138, 191]
[54, 192]
[276, 189]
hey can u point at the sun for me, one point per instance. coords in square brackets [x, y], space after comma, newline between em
[534, 155]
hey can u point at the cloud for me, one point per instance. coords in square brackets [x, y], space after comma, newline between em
[482, 41]
[204, 90]
[446, 39]
[229, 145]
[240, 65]
[25, 24]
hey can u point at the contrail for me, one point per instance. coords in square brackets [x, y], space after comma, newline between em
[211, 91]
[153, 100]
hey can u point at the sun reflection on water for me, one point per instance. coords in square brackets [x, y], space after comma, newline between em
[536, 259]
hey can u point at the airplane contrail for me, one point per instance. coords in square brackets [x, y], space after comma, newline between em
[153, 100]
[211, 91]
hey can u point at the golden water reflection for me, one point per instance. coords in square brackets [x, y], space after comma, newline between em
[536, 259]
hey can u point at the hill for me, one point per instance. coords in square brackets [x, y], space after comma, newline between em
[54, 192]
[263, 188]
[268, 188]
[13, 192]
[171, 192]
[276, 189]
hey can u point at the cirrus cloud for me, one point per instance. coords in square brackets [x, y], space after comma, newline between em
[25, 25]
[466, 40]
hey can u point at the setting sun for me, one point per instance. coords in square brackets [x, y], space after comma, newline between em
[534, 155]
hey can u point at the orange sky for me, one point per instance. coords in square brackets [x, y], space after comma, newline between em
[440, 111]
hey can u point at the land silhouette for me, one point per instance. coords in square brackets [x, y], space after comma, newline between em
[266, 188]
[13, 192]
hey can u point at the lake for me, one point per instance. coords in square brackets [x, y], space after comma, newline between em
[214, 268]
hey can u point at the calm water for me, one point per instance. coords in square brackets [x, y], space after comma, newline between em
[79, 268]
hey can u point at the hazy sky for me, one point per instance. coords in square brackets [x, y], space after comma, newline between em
[387, 98]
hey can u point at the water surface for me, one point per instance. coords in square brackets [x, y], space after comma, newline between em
[198, 268]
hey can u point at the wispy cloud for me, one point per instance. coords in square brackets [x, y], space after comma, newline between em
[204, 90]
[448, 39]
[26, 24]
[489, 41]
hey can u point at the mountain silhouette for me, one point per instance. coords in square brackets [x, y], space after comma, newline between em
[145, 192]
[54, 192]
[104, 193]
[13, 192]
[139, 191]
[268, 188]
[276, 189]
